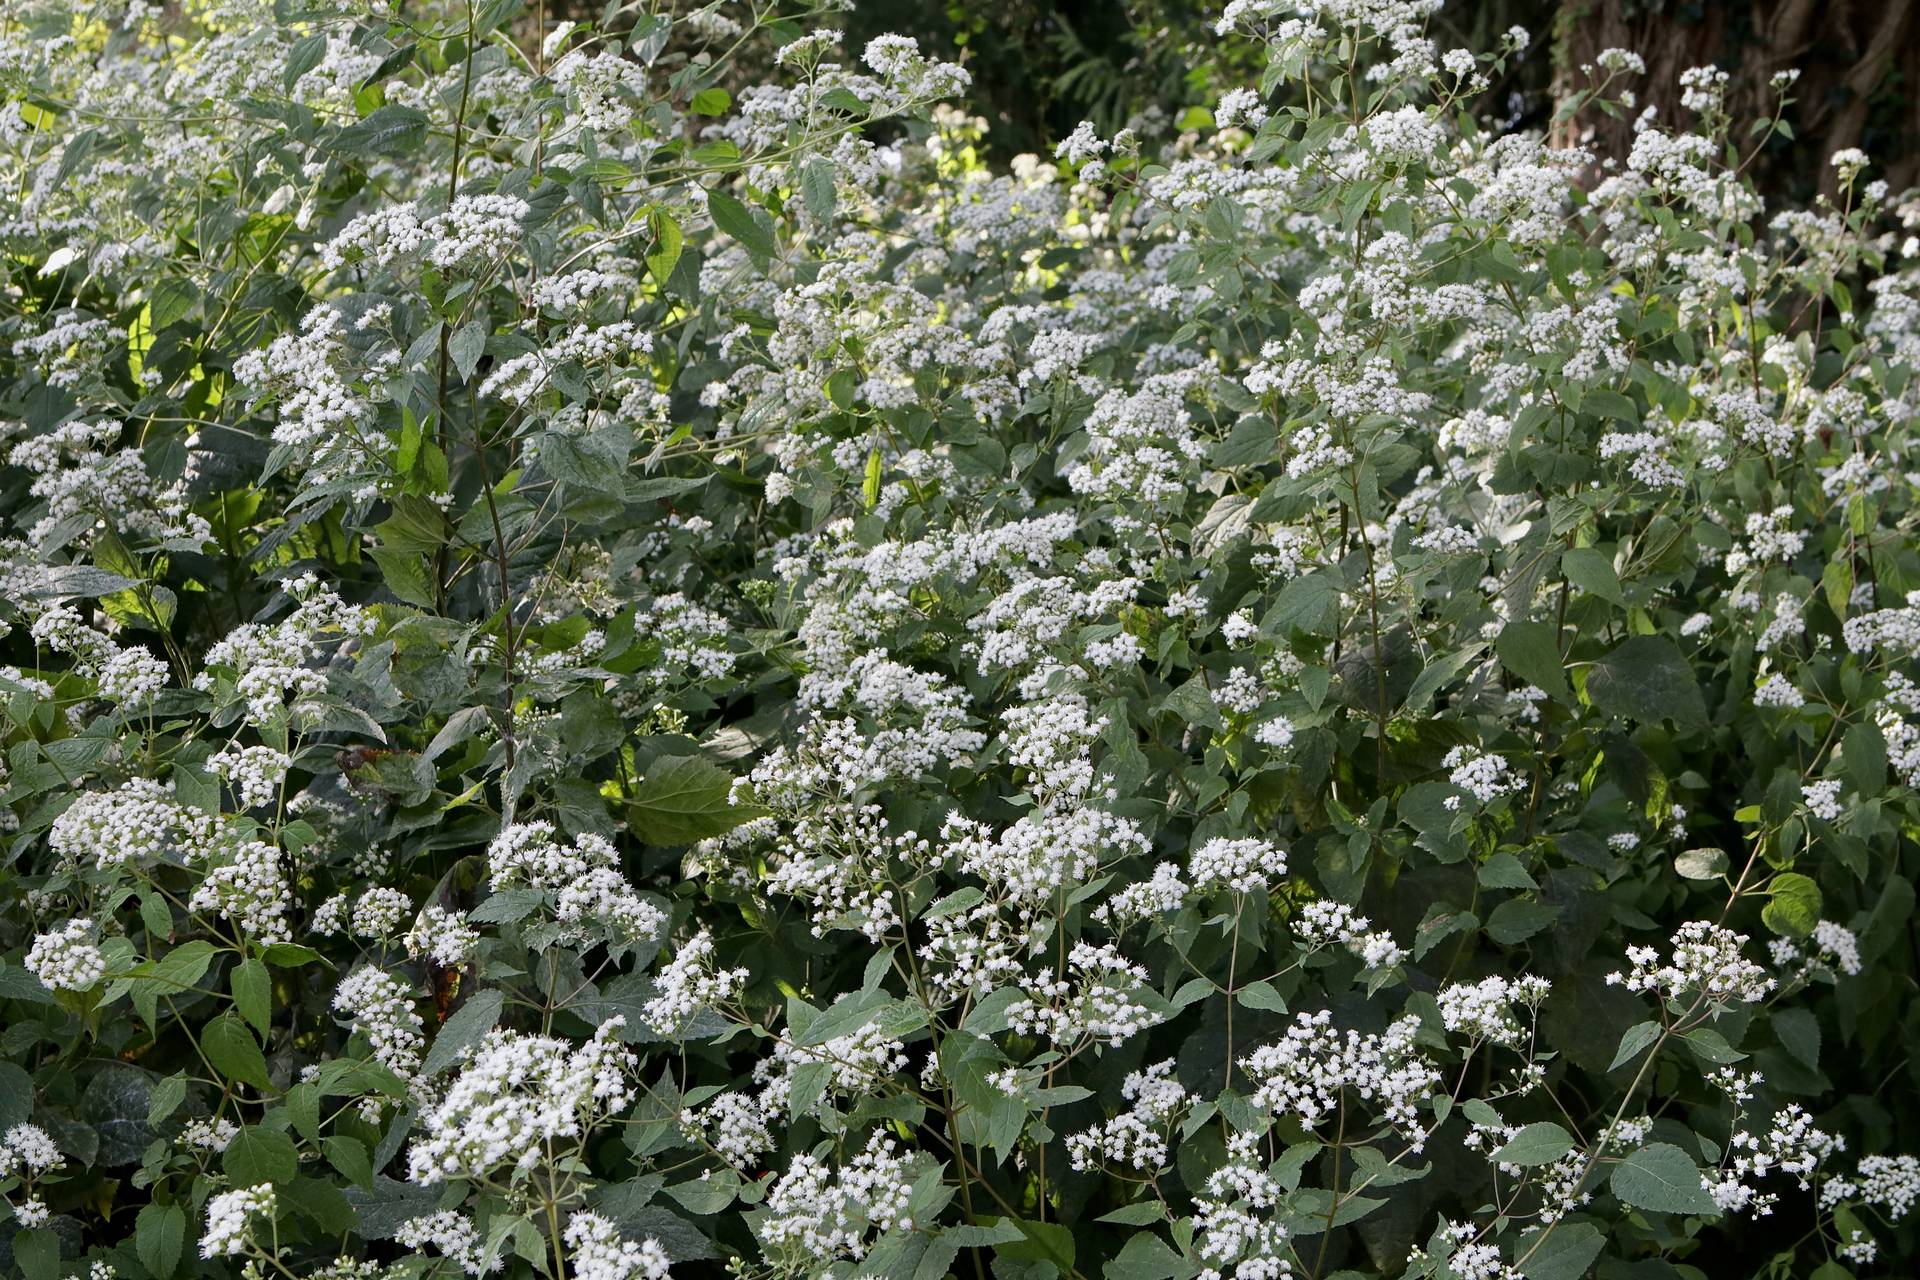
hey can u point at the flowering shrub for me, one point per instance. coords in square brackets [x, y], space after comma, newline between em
[622, 663]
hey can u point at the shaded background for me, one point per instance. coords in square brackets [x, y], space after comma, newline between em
[1042, 66]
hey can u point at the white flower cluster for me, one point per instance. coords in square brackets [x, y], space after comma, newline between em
[689, 983]
[380, 1007]
[606, 86]
[517, 1095]
[854, 1063]
[1830, 949]
[27, 1148]
[1158, 895]
[1306, 1072]
[1484, 1010]
[1236, 1228]
[453, 1234]
[211, 1134]
[246, 885]
[1484, 776]
[138, 823]
[1706, 967]
[67, 958]
[1239, 866]
[733, 1125]
[817, 1215]
[1325, 923]
[591, 899]
[270, 663]
[1138, 1136]
[255, 773]
[1791, 1145]
[130, 677]
[1097, 999]
[229, 1216]
[598, 1252]
[442, 936]
[474, 230]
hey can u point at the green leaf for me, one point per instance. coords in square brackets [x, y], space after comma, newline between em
[1863, 754]
[683, 799]
[1261, 995]
[1531, 650]
[464, 1030]
[1564, 1251]
[168, 1093]
[1633, 1042]
[1517, 919]
[304, 57]
[1535, 1144]
[1503, 871]
[1663, 1178]
[349, 1157]
[817, 188]
[1799, 1033]
[667, 240]
[158, 1235]
[169, 301]
[466, 346]
[258, 1155]
[1645, 678]
[711, 101]
[870, 486]
[752, 230]
[407, 574]
[37, 1250]
[1701, 864]
[1145, 1256]
[1592, 572]
[233, 1051]
[1793, 905]
[388, 131]
[253, 994]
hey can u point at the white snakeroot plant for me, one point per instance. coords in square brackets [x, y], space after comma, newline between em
[623, 656]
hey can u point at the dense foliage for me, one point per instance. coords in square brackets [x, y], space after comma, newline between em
[612, 677]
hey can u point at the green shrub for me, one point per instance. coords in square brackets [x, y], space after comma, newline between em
[610, 675]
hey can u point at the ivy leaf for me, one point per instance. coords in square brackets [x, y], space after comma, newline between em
[683, 799]
[1663, 1178]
